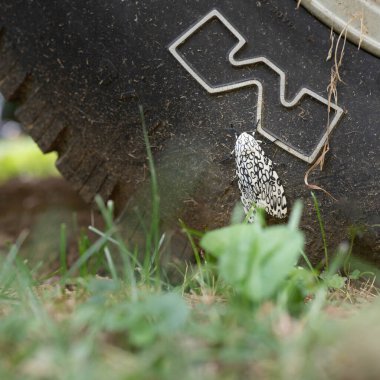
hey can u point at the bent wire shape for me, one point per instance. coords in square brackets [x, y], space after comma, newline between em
[252, 82]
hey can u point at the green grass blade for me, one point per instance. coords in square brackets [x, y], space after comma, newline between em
[111, 264]
[88, 253]
[153, 236]
[316, 205]
[63, 249]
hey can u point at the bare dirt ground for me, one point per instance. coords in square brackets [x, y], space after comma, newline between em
[36, 208]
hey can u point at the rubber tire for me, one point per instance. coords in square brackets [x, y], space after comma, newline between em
[79, 70]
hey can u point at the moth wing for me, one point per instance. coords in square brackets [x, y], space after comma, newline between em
[258, 181]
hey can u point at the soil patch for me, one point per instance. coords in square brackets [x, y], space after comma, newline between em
[37, 208]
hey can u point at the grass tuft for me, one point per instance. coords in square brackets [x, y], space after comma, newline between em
[244, 309]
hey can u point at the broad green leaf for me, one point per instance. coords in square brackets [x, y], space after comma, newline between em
[253, 260]
[334, 281]
[355, 274]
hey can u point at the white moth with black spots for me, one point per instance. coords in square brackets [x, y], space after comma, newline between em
[258, 181]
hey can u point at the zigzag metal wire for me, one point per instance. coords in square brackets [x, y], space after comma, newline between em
[233, 86]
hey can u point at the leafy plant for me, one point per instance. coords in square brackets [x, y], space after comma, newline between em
[258, 261]
[333, 281]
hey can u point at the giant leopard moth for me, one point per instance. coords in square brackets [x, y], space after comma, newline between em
[258, 182]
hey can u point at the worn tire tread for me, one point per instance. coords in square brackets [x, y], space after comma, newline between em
[86, 171]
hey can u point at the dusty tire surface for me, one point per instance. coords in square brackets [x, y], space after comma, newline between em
[79, 70]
